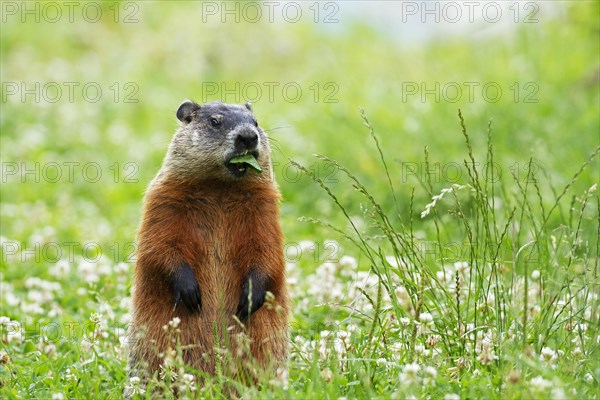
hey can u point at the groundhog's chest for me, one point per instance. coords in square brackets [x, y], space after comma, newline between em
[225, 233]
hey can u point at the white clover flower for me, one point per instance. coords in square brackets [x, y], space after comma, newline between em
[188, 383]
[547, 354]
[426, 318]
[104, 266]
[32, 282]
[336, 293]
[539, 384]
[535, 275]
[45, 347]
[557, 394]
[168, 368]
[432, 341]
[405, 321]
[60, 269]
[420, 349]
[328, 270]
[125, 303]
[430, 375]
[486, 356]
[35, 296]
[87, 345]
[57, 396]
[134, 386]
[324, 285]
[70, 376]
[122, 268]
[441, 276]
[413, 368]
[32, 308]
[451, 396]
[396, 349]
[106, 308]
[461, 267]
[13, 332]
[348, 265]
[174, 323]
[340, 348]
[96, 318]
[409, 374]
[327, 375]
[88, 271]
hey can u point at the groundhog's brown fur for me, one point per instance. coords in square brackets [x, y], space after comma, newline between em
[222, 223]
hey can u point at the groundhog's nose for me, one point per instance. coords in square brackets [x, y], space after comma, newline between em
[247, 140]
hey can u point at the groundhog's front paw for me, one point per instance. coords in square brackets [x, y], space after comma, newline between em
[186, 289]
[253, 294]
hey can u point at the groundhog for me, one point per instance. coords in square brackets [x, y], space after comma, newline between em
[210, 249]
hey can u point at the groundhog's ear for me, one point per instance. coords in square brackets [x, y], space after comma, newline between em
[248, 105]
[186, 110]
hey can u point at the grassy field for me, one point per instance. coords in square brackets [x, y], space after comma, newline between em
[432, 252]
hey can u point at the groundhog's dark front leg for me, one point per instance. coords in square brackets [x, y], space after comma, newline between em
[253, 294]
[186, 288]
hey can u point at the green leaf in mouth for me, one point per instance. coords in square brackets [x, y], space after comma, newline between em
[247, 159]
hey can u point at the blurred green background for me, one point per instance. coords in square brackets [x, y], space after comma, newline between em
[88, 100]
[89, 95]
[322, 66]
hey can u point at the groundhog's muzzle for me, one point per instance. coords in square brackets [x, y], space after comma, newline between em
[245, 143]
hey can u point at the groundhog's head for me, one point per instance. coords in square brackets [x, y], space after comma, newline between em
[219, 141]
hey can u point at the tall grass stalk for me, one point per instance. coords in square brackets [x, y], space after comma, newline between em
[492, 295]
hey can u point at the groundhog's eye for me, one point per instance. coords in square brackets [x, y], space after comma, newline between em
[216, 120]
[255, 122]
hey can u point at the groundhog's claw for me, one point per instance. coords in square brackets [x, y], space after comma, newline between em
[186, 289]
[253, 294]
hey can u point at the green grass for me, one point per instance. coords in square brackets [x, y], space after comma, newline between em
[430, 253]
